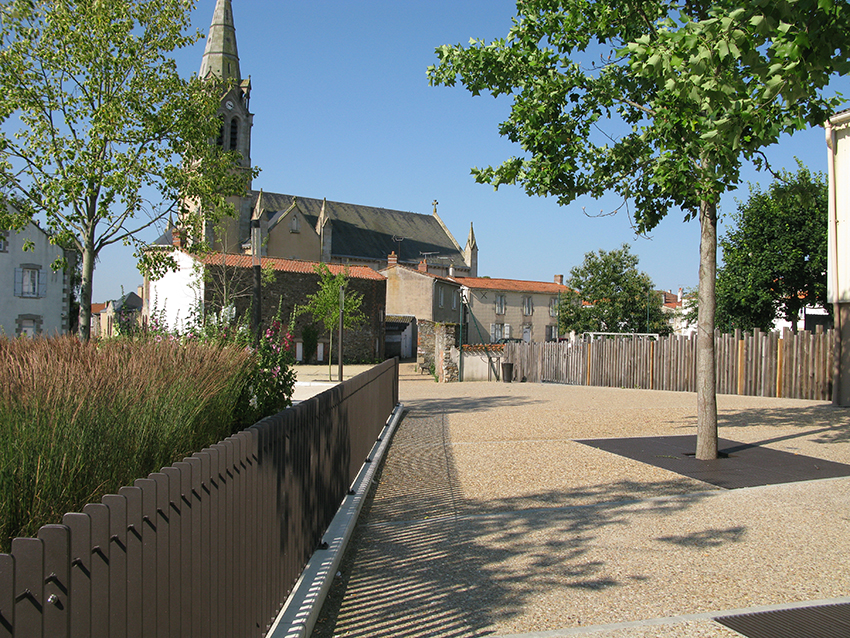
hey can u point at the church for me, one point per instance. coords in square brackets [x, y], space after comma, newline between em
[311, 229]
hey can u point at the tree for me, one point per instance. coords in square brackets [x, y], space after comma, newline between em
[105, 121]
[609, 294]
[774, 257]
[688, 90]
[324, 304]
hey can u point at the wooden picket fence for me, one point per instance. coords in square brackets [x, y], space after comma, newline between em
[757, 364]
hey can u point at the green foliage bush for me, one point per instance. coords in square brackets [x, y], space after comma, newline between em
[79, 420]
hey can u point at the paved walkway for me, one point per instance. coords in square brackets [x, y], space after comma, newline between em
[310, 380]
[488, 518]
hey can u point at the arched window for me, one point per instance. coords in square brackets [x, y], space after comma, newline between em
[220, 140]
[234, 133]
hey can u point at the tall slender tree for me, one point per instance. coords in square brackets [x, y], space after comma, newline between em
[660, 101]
[99, 135]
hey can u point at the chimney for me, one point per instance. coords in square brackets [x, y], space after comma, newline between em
[681, 294]
[451, 270]
[392, 259]
[423, 266]
[559, 279]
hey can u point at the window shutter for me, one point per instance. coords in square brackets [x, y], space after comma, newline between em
[42, 284]
[507, 331]
[19, 282]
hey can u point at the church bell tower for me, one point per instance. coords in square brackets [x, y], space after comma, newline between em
[221, 64]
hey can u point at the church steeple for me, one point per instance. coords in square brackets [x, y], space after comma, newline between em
[221, 57]
[221, 64]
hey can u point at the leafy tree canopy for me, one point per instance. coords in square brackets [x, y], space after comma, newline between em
[775, 254]
[110, 140]
[687, 92]
[659, 101]
[609, 294]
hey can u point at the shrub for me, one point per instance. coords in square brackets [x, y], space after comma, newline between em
[78, 420]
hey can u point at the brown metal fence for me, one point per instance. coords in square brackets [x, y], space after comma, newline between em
[757, 364]
[210, 546]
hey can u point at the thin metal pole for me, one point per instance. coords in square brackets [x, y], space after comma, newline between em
[255, 250]
[341, 311]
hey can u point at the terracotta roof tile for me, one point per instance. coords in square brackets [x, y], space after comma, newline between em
[289, 265]
[512, 285]
[427, 274]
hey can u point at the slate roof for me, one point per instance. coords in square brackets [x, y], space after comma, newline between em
[367, 232]
[289, 265]
[512, 285]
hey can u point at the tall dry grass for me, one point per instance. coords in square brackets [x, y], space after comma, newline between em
[79, 420]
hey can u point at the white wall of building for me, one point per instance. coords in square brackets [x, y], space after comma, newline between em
[838, 140]
[176, 296]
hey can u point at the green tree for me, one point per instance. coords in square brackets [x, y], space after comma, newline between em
[323, 304]
[111, 140]
[609, 294]
[686, 91]
[775, 254]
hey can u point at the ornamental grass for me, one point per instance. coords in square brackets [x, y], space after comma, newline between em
[80, 420]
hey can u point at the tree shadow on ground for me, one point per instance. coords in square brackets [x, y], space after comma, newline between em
[425, 563]
[455, 405]
[831, 424]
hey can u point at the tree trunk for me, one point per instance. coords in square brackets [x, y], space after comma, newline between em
[706, 373]
[86, 291]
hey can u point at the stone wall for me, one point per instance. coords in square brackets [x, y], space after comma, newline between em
[437, 346]
[363, 344]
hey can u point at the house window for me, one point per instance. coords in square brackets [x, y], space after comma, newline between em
[28, 325]
[553, 307]
[527, 306]
[442, 292]
[501, 304]
[294, 226]
[29, 282]
[454, 300]
[496, 331]
[4, 241]
[551, 333]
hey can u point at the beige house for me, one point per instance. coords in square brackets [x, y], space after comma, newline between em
[420, 293]
[511, 308]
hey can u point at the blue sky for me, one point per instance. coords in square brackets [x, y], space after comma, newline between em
[343, 110]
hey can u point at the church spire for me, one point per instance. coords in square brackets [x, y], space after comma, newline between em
[221, 58]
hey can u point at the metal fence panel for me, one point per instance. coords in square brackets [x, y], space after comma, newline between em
[210, 546]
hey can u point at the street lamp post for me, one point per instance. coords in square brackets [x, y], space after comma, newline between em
[255, 257]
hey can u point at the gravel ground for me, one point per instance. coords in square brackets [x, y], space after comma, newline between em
[488, 518]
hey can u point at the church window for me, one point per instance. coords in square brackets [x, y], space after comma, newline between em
[220, 140]
[234, 133]
[294, 226]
